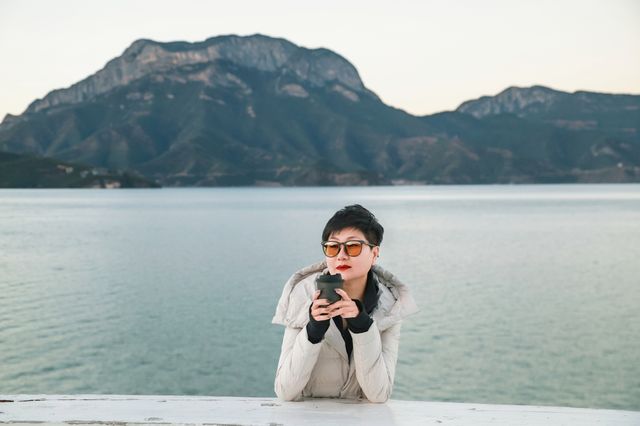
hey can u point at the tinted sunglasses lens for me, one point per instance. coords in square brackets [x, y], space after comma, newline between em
[331, 249]
[353, 248]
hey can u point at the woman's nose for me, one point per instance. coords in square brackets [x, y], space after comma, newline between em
[342, 254]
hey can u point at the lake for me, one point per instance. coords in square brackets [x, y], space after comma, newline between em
[529, 294]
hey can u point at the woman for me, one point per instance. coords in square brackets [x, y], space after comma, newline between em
[347, 349]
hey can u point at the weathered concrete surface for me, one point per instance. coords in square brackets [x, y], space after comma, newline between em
[135, 409]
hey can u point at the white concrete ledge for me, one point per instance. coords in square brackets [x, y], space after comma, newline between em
[137, 410]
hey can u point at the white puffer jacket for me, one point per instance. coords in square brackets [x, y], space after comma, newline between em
[323, 369]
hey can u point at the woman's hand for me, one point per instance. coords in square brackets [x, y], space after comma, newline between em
[346, 308]
[319, 308]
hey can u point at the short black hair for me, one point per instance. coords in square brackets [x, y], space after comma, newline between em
[355, 216]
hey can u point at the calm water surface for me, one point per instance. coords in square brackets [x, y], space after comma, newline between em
[528, 294]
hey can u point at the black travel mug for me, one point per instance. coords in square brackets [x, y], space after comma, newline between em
[327, 285]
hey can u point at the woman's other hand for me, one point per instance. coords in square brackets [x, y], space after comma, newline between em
[346, 308]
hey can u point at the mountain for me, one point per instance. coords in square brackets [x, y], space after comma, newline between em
[259, 110]
[616, 115]
[587, 136]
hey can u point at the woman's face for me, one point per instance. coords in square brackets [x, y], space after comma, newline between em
[356, 267]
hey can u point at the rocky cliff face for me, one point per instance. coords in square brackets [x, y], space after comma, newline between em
[316, 67]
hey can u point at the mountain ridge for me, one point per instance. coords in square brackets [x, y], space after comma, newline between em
[231, 111]
[261, 52]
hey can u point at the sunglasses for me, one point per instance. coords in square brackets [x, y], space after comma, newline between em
[353, 248]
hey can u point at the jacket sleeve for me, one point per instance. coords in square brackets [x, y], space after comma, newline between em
[297, 359]
[375, 355]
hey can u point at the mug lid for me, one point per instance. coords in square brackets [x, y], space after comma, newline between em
[329, 278]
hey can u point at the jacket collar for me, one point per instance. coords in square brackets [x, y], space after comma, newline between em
[371, 293]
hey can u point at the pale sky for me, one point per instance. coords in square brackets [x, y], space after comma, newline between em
[421, 56]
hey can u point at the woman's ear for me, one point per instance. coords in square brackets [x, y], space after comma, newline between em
[376, 254]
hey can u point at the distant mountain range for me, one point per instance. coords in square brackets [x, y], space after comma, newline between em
[258, 110]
